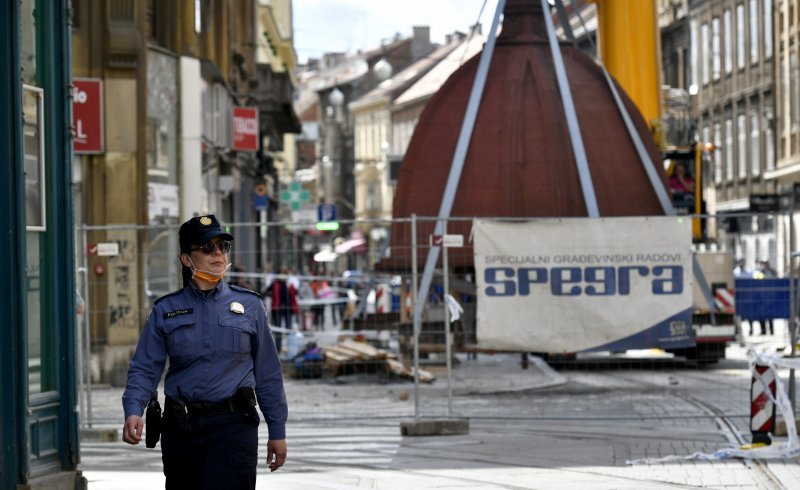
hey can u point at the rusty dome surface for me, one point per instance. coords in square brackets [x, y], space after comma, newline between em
[520, 161]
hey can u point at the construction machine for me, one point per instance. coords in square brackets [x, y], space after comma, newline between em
[636, 66]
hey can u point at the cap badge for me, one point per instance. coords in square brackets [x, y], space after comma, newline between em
[237, 307]
[205, 220]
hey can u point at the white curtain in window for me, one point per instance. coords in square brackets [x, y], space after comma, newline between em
[728, 151]
[755, 144]
[716, 62]
[728, 37]
[741, 133]
[717, 153]
[693, 52]
[754, 43]
[740, 36]
[768, 20]
[704, 53]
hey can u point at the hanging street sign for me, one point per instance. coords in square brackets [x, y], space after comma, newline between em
[326, 212]
[260, 197]
[244, 128]
[108, 249]
[87, 116]
[447, 240]
[295, 196]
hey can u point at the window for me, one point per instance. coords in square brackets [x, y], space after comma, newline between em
[693, 52]
[769, 144]
[754, 44]
[716, 68]
[728, 151]
[373, 198]
[755, 144]
[198, 16]
[768, 28]
[741, 133]
[727, 35]
[794, 100]
[704, 53]
[33, 125]
[717, 153]
[740, 34]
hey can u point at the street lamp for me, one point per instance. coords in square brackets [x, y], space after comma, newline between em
[382, 69]
[336, 97]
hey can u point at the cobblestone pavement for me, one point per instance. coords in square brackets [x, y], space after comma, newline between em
[534, 428]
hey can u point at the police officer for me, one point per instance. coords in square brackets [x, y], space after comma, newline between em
[222, 359]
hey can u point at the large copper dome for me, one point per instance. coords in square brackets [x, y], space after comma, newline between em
[520, 161]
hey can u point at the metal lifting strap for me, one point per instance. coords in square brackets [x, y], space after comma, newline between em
[572, 117]
[563, 18]
[464, 138]
[644, 156]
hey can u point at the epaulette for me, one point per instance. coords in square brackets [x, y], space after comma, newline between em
[244, 290]
[168, 295]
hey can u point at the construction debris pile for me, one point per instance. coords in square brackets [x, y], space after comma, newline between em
[352, 357]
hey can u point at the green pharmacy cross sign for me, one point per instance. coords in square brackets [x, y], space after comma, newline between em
[295, 196]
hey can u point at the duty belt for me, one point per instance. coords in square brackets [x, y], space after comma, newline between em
[207, 409]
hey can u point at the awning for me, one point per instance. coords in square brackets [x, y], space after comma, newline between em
[325, 256]
[352, 245]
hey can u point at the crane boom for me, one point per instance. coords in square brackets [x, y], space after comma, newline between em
[635, 65]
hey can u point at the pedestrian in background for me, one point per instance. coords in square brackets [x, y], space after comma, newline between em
[765, 271]
[80, 305]
[222, 360]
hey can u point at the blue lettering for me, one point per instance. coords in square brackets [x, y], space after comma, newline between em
[508, 287]
[539, 277]
[558, 279]
[670, 285]
[607, 279]
[625, 277]
[576, 281]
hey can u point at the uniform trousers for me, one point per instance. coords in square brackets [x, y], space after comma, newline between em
[220, 452]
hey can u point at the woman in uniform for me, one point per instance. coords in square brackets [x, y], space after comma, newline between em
[222, 363]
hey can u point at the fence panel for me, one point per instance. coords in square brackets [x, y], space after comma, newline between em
[346, 331]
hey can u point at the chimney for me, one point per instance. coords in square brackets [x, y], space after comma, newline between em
[421, 42]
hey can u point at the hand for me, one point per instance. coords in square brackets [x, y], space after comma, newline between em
[276, 453]
[132, 430]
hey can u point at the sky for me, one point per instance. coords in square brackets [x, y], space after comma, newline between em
[322, 26]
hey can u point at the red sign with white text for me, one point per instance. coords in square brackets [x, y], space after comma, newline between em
[87, 115]
[244, 128]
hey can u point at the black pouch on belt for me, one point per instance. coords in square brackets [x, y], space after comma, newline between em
[153, 421]
[246, 399]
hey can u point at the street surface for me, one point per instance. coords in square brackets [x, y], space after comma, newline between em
[574, 427]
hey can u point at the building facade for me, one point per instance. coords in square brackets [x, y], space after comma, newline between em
[175, 76]
[373, 141]
[38, 417]
[733, 76]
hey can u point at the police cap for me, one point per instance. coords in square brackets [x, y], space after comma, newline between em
[200, 230]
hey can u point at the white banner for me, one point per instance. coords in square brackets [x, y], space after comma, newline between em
[578, 284]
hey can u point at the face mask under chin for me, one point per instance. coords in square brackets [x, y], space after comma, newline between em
[207, 276]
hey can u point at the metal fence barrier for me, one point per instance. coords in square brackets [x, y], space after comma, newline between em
[347, 336]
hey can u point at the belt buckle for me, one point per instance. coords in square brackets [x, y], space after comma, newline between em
[201, 408]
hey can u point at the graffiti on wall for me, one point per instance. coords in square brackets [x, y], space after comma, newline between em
[123, 290]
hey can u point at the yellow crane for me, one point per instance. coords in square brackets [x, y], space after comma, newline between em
[629, 47]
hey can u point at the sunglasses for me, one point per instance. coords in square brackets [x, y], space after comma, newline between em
[209, 248]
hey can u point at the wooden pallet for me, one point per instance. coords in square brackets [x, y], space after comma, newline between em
[350, 356]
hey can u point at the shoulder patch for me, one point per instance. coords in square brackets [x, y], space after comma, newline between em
[168, 295]
[243, 290]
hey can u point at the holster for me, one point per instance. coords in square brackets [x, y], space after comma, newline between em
[246, 398]
[153, 421]
[180, 415]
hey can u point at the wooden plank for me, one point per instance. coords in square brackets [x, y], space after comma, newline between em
[362, 348]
